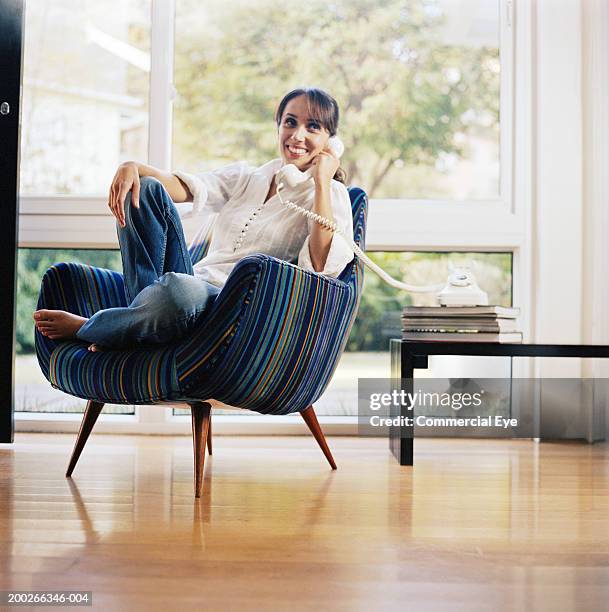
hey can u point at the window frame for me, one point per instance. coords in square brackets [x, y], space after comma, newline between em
[494, 225]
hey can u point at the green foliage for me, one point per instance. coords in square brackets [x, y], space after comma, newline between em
[31, 266]
[404, 96]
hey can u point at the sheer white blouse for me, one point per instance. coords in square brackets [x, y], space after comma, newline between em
[246, 224]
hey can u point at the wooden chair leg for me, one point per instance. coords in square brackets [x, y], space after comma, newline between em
[88, 421]
[201, 412]
[209, 436]
[310, 418]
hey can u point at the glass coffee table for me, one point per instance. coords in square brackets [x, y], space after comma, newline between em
[407, 355]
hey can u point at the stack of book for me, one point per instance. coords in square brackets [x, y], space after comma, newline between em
[461, 324]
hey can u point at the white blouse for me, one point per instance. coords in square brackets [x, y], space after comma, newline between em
[246, 224]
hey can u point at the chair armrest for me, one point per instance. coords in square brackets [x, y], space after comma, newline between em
[271, 320]
[81, 289]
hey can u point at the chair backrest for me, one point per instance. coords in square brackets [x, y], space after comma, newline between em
[200, 243]
[353, 273]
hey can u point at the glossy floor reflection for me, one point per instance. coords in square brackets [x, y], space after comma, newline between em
[476, 525]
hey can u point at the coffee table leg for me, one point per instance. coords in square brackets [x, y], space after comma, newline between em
[407, 431]
[401, 438]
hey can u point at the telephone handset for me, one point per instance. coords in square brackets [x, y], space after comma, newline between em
[293, 176]
[468, 295]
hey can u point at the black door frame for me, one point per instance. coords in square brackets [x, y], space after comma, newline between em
[11, 60]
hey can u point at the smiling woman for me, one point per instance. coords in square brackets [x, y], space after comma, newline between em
[306, 118]
[167, 296]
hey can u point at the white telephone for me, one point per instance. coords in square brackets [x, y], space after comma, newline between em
[459, 290]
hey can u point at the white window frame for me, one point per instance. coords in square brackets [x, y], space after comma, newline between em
[494, 225]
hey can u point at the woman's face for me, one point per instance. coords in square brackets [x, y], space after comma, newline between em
[301, 138]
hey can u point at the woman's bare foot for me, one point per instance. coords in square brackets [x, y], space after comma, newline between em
[95, 348]
[58, 324]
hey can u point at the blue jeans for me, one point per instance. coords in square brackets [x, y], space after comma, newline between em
[165, 299]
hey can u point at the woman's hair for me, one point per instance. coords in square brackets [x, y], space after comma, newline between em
[322, 107]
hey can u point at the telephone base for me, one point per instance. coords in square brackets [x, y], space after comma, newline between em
[461, 289]
[463, 298]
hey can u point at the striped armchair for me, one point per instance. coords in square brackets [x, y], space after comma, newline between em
[270, 343]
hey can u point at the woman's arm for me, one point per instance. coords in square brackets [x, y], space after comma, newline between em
[176, 188]
[127, 178]
[320, 238]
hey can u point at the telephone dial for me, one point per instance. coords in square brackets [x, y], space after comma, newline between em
[460, 289]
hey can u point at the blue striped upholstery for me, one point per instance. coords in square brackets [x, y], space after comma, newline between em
[200, 242]
[270, 343]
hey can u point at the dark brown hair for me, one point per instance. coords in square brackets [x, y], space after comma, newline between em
[322, 107]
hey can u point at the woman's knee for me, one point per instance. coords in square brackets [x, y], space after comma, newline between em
[150, 196]
[183, 294]
[149, 183]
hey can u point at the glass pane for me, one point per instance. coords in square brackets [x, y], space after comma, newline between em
[417, 83]
[85, 93]
[33, 392]
[379, 320]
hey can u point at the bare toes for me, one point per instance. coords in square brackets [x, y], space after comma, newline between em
[41, 315]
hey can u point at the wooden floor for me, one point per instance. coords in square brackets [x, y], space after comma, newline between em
[476, 525]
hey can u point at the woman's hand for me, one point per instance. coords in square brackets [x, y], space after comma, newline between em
[324, 166]
[126, 179]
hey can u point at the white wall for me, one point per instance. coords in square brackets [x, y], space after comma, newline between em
[570, 212]
[595, 297]
[595, 106]
[570, 142]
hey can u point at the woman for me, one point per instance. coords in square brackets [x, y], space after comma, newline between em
[166, 295]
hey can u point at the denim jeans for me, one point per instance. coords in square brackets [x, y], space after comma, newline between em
[165, 299]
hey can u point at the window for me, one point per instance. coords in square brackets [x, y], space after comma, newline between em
[426, 95]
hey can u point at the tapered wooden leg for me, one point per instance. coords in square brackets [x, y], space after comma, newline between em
[209, 436]
[88, 421]
[201, 412]
[310, 418]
